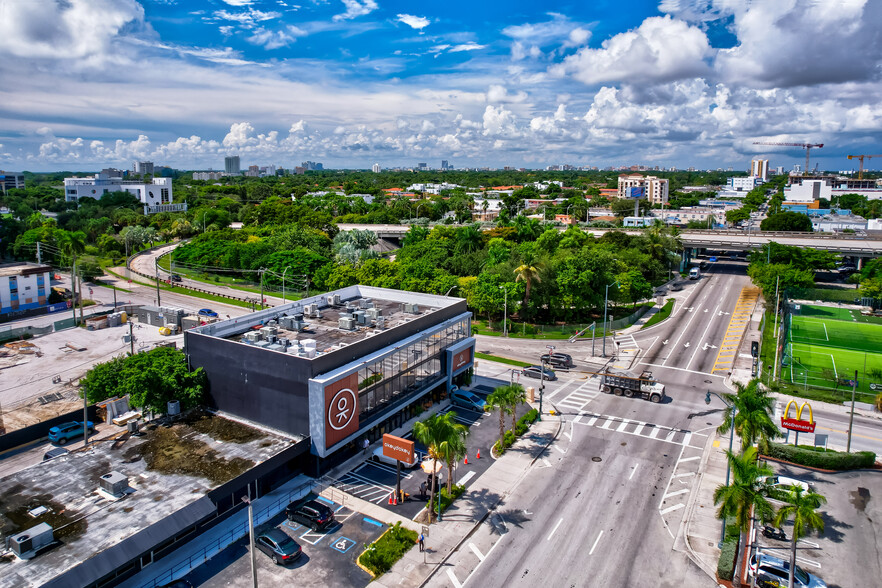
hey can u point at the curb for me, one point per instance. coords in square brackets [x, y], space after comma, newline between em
[690, 552]
[820, 470]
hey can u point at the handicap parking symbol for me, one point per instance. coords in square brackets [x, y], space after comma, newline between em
[343, 544]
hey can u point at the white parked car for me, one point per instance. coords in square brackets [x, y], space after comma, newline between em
[784, 483]
[378, 456]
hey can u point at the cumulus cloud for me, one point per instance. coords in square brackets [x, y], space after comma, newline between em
[660, 49]
[499, 94]
[275, 39]
[356, 8]
[74, 29]
[499, 122]
[414, 22]
[560, 30]
[470, 46]
[248, 18]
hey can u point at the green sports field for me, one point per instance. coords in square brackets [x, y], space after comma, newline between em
[826, 345]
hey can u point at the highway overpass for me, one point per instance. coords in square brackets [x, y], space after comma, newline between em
[725, 240]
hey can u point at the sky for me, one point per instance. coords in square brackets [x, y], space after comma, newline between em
[102, 83]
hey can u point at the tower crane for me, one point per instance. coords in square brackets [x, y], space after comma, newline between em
[861, 159]
[806, 146]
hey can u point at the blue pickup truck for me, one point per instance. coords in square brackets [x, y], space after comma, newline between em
[67, 431]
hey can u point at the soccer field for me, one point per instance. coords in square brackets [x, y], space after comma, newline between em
[825, 352]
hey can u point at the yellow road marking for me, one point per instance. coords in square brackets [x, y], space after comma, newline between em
[735, 329]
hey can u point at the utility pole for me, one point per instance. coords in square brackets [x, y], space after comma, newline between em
[251, 546]
[260, 273]
[606, 314]
[156, 269]
[504, 312]
[131, 338]
[851, 414]
[39, 260]
[73, 290]
[114, 297]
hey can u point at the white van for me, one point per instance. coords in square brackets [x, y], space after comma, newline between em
[694, 273]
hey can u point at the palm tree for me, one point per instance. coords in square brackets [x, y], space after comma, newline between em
[469, 239]
[516, 396]
[746, 491]
[802, 509]
[453, 448]
[528, 273]
[72, 244]
[441, 435]
[750, 411]
[500, 400]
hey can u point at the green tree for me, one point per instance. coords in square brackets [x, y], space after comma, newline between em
[440, 434]
[787, 221]
[500, 399]
[453, 447]
[528, 274]
[750, 411]
[784, 277]
[516, 395]
[802, 508]
[746, 493]
[872, 288]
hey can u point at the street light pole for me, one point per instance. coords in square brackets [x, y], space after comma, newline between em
[851, 414]
[606, 314]
[707, 400]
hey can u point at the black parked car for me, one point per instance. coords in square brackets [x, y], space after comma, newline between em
[279, 546]
[313, 514]
[558, 360]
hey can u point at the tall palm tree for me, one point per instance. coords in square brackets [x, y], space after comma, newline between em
[440, 434]
[516, 396]
[453, 448]
[527, 273]
[72, 244]
[802, 509]
[750, 411]
[745, 496]
[500, 399]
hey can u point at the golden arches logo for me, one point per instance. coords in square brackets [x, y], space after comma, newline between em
[799, 410]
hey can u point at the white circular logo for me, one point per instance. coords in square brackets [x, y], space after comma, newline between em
[341, 409]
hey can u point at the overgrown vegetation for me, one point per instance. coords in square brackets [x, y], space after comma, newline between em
[381, 555]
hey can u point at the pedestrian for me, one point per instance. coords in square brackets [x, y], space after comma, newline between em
[365, 444]
[423, 487]
[422, 539]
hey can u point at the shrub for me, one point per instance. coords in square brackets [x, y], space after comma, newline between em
[447, 499]
[827, 460]
[521, 427]
[382, 554]
[726, 564]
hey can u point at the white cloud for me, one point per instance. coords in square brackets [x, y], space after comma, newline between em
[470, 46]
[499, 122]
[499, 94]
[70, 30]
[275, 39]
[660, 49]
[239, 2]
[414, 22]
[560, 30]
[248, 18]
[356, 8]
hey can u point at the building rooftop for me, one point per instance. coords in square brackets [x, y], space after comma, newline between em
[23, 268]
[323, 324]
[170, 469]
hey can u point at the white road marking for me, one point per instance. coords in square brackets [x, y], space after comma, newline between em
[546, 462]
[683, 332]
[672, 508]
[682, 459]
[686, 475]
[476, 552]
[591, 421]
[623, 426]
[466, 477]
[561, 450]
[554, 529]
[667, 367]
[596, 541]
[453, 579]
[703, 335]
[636, 465]
[654, 433]
[676, 492]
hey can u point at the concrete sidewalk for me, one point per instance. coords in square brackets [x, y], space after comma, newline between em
[463, 517]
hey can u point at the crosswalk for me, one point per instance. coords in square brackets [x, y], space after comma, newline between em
[633, 427]
[577, 399]
[681, 484]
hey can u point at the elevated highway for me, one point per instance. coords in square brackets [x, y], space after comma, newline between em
[726, 240]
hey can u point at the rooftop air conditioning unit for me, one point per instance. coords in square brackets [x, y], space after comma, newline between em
[366, 303]
[361, 318]
[174, 407]
[330, 300]
[310, 309]
[336, 300]
[31, 540]
[347, 324]
[114, 483]
[381, 322]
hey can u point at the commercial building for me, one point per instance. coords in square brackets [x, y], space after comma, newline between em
[742, 184]
[207, 176]
[232, 166]
[759, 168]
[806, 189]
[312, 166]
[10, 180]
[376, 168]
[652, 188]
[683, 216]
[24, 286]
[157, 191]
[143, 168]
[336, 368]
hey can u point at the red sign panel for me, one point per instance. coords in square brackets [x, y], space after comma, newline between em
[398, 448]
[798, 425]
[462, 358]
[341, 409]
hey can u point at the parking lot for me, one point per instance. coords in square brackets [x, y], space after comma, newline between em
[375, 482]
[328, 556]
[846, 553]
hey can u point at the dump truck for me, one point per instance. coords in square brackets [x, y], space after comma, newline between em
[625, 383]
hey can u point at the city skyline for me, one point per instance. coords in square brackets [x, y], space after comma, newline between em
[675, 83]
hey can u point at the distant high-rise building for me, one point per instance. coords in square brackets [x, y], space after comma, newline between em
[143, 168]
[231, 165]
[376, 168]
[253, 171]
[422, 166]
[652, 188]
[444, 165]
[760, 168]
[312, 166]
[9, 180]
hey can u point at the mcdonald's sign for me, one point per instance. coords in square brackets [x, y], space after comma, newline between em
[798, 424]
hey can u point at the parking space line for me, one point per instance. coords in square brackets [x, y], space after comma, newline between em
[310, 534]
[386, 468]
[554, 529]
[476, 552]
[672, 508]
[682, 459]
[325, 500]
[372, 521]
[596, 541]
[559, 449]
[636, 465]
[453, 579]
[676, 492]
[466, 477]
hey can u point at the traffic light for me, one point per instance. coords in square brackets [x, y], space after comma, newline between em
[754, 348]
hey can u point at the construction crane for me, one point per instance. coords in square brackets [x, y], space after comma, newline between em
[861, 159]
[806, 146]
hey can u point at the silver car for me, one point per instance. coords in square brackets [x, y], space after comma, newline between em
[772, 571]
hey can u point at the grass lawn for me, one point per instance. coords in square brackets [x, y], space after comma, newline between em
[185, 291]
[661, 315]
[498, 359]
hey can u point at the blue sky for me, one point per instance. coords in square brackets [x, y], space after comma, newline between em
[95, 83]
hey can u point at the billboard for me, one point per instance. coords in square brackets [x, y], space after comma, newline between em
[398, 448]
[637, 192]
[341, 409]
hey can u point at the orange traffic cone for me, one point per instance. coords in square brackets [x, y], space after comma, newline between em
[394, 500]
[391, 498]
[466, 462]
[479, 455]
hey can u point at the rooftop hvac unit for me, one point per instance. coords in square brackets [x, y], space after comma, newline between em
[365, 303]
[32, 539]
[373, 313]
[381, 322]
[253, 336]
[361, 318]
[272, 323]
[308, 343]
[310, 309]
[336, 298]
[298, 317]
[114, 483]
[283, 341]
[262, 344]
[414, 309]
[310, 352]
[272, 339]
[267, 331]
[347, 324]
[276, 347]
[174, 407]
[286, 322]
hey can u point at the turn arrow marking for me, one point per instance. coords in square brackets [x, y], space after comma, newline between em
[686, 344]
[665, 342]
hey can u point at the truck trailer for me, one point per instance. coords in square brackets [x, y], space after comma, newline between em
[624, 383]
